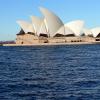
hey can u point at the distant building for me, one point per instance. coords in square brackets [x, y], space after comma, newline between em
[51, 29]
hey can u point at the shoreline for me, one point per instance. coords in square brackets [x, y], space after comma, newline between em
[51, 44]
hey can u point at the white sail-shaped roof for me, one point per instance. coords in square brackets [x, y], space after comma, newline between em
[68, 31]
[95, 31]
[53, 21]
[26, 26]
[37, 22]
[60, 31]
[87, 32]
[64, 31]
[76, 26]
[43, 29]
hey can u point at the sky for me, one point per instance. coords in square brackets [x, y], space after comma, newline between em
[67, 10]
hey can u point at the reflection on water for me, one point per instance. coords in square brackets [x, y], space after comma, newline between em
[50, 73]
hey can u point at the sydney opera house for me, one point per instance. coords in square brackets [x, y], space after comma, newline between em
[51, 29]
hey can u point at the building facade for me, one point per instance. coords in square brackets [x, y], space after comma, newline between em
[51, 29]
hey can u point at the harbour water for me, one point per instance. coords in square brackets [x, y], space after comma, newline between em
[50, 72]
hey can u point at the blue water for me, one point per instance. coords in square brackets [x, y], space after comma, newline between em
[50, 73]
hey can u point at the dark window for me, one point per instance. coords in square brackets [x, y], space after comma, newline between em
[21, 42]
[70, 35]
[31, 33]
[97, 39]
[59, 35]
[43, 35]
[21, 32]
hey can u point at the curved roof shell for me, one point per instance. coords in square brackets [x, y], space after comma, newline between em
[95, 31]
[60, 31]
[43, 29]
[26, 26]
[68, 31]
[52, 20]
[76, 26]
[87, 32]
[37, 22]
[64, 30]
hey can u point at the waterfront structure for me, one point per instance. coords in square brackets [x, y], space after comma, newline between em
[26, 26]
[51, 29]
[96, 32]
[76, 26]
[87, 32]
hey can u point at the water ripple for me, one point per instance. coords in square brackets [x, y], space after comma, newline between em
[50, 73]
